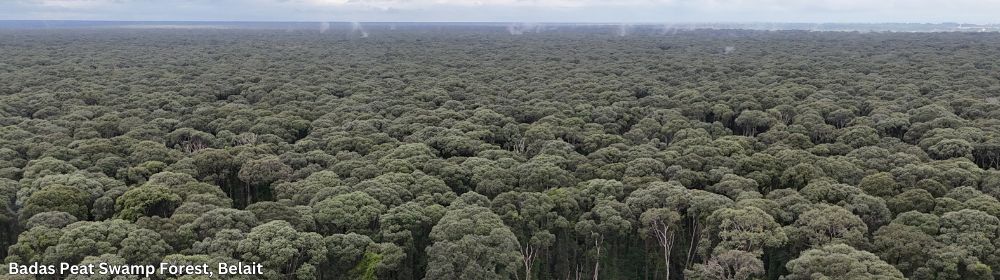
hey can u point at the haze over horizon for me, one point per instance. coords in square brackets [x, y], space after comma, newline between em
[577, 11]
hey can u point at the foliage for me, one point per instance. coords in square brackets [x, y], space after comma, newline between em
[466, 152]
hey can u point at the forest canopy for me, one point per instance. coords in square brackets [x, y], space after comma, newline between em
[470, 152]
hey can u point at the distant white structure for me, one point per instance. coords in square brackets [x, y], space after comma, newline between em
[622, 30]
[521, 28]
[728, 50]
[356, 27]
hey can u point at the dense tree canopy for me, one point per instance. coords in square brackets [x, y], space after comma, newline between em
[467, 152]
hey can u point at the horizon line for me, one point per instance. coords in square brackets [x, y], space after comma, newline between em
[510, 22]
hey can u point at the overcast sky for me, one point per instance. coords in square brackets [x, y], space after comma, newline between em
[611, 11]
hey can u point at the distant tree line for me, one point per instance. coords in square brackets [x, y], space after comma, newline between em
[471, 153]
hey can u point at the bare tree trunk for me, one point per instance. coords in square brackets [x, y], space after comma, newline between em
[246, 194]
[693, 244]
[597, 263]
[666, 252]
[665, 237]
[529, 259]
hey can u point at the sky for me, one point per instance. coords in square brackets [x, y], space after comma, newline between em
[602, 11]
